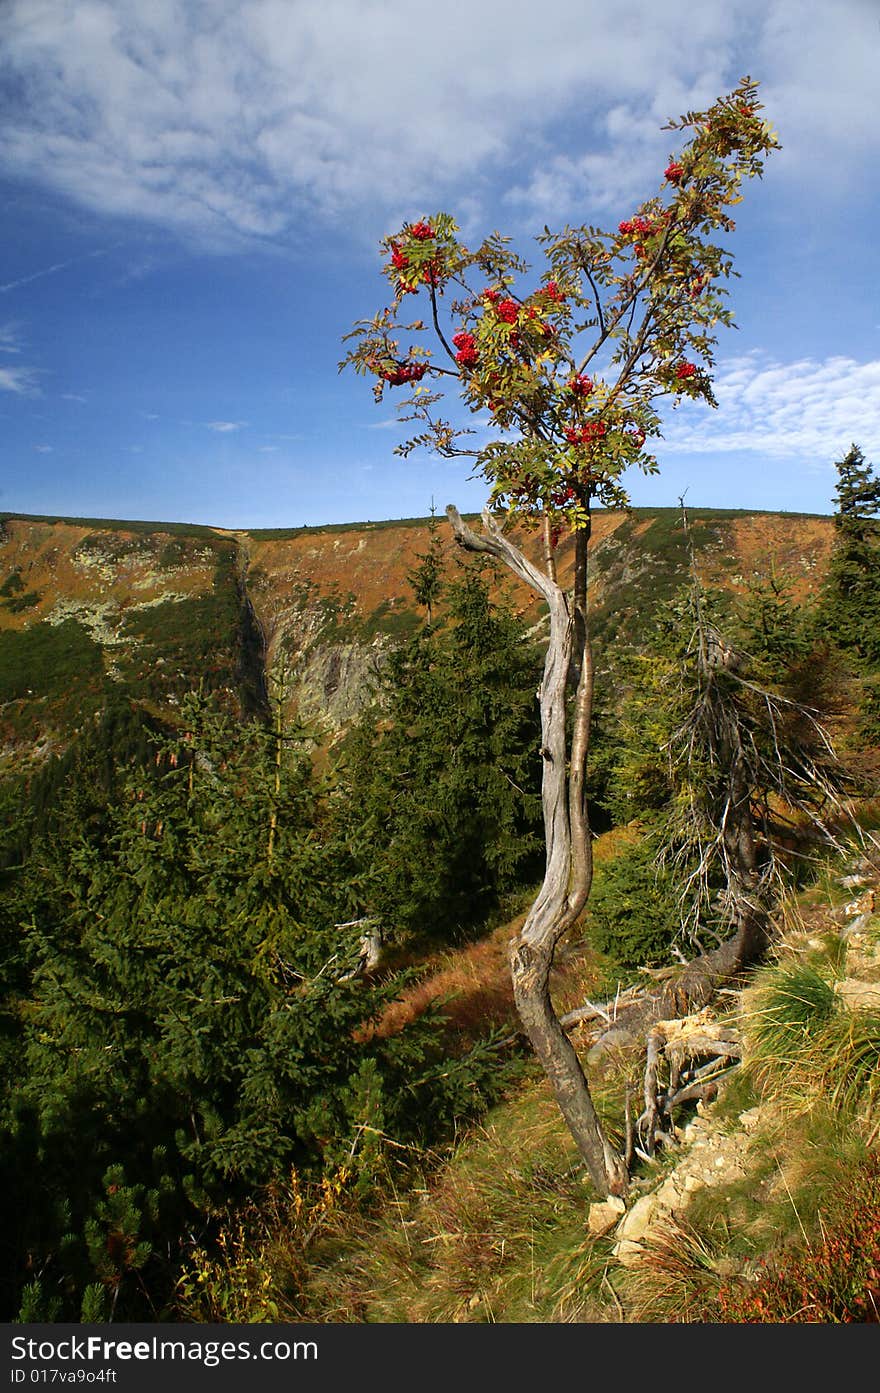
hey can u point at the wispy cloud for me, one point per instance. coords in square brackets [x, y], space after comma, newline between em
[237, 121]
[808, 408]
[50, 270]
[44, 449]
[10, 338]
[22, 381]
[224, 427]
[74, 396]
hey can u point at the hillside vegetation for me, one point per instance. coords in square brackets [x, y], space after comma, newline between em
[90, 609]
[235, 763]
[763, 1208]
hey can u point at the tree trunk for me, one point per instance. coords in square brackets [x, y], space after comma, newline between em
[568, 868]
[688, 990]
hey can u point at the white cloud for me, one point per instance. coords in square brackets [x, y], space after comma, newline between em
[44, 449]
[808, 408]
[224, 427]
[22, 381]
[227, 121]
[10, 338]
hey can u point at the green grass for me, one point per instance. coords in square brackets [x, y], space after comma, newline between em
[386, 618]
[789, 1008]
[12, 585]
[479, 1239]
[180, 643]
[19, 603]
[640, 572]
[495, 1229]
[833, 1275]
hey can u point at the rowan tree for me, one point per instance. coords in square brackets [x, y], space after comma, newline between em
[567, 370]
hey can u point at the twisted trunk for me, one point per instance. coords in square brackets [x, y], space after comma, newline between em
[568, 869]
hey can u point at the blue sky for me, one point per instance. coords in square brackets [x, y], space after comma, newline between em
[195, 192]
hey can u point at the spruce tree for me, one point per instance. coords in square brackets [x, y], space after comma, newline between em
[193, 1028]
[426, 579]
[444, 782]
[850, 610]
[732, 777]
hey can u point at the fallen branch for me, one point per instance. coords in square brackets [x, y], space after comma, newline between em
[606, 1012]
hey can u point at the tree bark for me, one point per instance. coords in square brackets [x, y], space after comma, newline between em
[688, 990]
[568, 867]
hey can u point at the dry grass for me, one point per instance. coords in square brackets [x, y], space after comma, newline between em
[473, 983]
[496, 1235]
[811, 1065]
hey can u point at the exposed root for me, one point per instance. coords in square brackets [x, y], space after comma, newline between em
[693, 1054]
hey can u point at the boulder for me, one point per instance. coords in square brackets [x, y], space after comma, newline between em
[604, 1215]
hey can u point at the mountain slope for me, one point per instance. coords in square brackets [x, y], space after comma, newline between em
[90, 607]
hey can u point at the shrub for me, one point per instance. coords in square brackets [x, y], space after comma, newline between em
[633, 910]
[834, 1281]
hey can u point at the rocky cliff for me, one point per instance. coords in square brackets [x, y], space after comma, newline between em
[149, 610]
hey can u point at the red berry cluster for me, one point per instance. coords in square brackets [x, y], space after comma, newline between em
[467, 349]
[508, 310]
[643, 227]
[580, 386]
[552, 291]
[684, 371]
[399, 259]
[422, 231]
[633, 225]
[674, 172]
[402, 373]
[585, 435]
